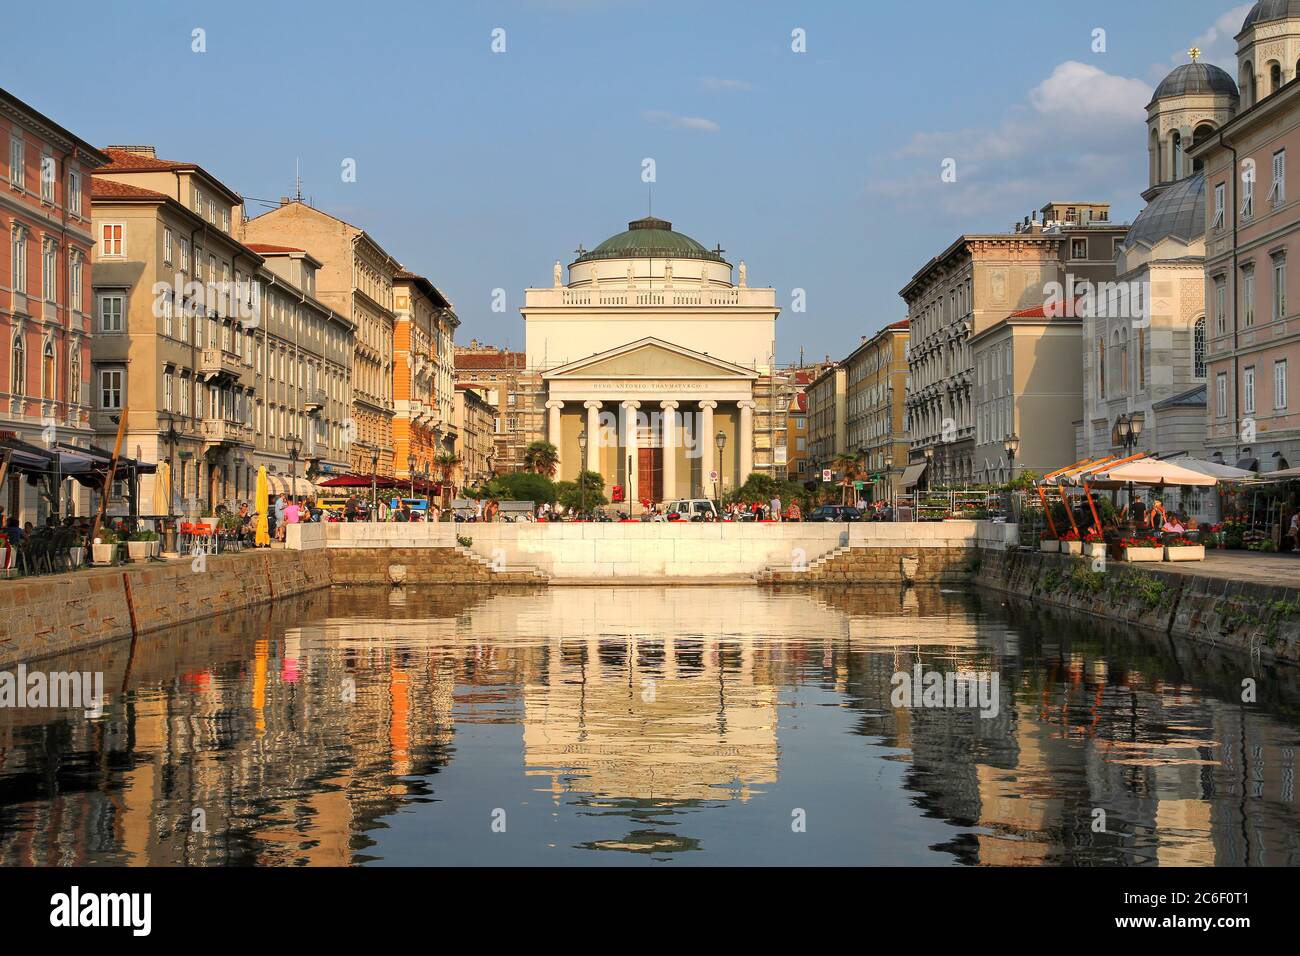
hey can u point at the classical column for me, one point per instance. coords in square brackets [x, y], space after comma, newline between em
[553, 429]
[669, 409]
[746, 441]
[593, 435]
[708, 453]
[632, 458]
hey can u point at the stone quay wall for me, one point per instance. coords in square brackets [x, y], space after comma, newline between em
[48, 615]
[1260, 620]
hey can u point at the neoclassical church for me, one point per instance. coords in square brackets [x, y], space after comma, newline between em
[649, 356]
[1153, 367]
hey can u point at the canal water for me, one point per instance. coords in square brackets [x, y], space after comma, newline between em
[644, 726]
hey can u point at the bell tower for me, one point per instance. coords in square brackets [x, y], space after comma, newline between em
[1190, 104]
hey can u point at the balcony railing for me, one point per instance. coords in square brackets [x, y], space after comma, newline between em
[216, 362]
[220, 431]
[314, 400]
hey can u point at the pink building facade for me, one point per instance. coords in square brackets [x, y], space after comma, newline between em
[45, 290]
[1252, 284]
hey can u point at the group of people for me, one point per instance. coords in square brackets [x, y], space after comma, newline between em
[762, 511]
[1156, 518]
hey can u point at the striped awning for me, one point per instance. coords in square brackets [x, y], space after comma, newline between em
[279, 485]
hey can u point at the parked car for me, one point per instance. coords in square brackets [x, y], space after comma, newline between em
[834, 513]
[691, 509]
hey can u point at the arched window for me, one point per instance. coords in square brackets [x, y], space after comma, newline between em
[1154, 149]
[18, 365]
[1274, 77]
[1123, 362]
[1175, 156]
[1101, 368]
[1246, 84]
[1198, 348]
[49, 385]
[1200, 135]
[74, 374]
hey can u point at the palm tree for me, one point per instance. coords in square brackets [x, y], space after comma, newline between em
[445, 462]
[542, 458]
[848, 464]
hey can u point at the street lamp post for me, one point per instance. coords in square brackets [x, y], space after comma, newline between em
[410, 471]
[721, 441]
[889, 477]
[1129, 429]
[929, 464]
[294, 446]
[1011, 445]
[374, 482]
[582, 474]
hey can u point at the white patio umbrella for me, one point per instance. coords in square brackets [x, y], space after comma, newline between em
[1154, 471]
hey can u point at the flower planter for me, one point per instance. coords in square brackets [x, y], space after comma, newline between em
[1185, 553]
[1049, 545]
[77, 556]
[1094, 549]
[103, 553]
[156, 549]
[1144, 554]
[139, 550]
[1072, 547]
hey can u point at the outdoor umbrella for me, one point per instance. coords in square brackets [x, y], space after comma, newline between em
[262, 537]
[1153, 471]
[161, 480]
[1214, 468]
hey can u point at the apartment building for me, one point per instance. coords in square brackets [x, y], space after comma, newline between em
[1251, 222]
[827, 417]
[221, 356]
[1028, 383]
[356, 280]
[45, 292]
[475, 420]
[876, 406]
[977, 281]
[503, 380]
[424, 424]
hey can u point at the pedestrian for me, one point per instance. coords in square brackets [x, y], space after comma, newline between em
[776, 507]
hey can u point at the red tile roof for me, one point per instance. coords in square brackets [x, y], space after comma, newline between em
[121, 160]
[108, 189]
[1065, 310]
[266, 247]
[489, 360]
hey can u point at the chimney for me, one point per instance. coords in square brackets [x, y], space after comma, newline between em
[147, 151]
[285, 200]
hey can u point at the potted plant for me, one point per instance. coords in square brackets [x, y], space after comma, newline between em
[1141, 547]
[1049, 543]
[1094, 544]
[1071, 542]
[104, 550]
[140, 545]
[1184, 549]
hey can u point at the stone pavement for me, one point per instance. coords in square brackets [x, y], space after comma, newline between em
[1278, 570]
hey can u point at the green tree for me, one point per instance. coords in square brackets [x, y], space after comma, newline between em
[588, 491]
[541, 458]
[521, 486]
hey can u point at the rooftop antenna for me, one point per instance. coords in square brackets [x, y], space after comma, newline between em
[297, 182]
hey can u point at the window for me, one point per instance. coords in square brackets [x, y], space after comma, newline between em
[1248, 191]
[198, 201]
[1221, 395]
[47, 178]
[1198, 349]
[18, 259]
[110, 313]
[185, 256]
[74, 192]
[1078, 248]
[50, 270]
[167, 246]
[110, 239]
[18, 364]
[1279, 286]
[110, 388]
[1279, 384]
[1142, 358]
[168, 311]
[74, 373]
[17, 162]
[74, 280]
[1277, 192]
[49, 378]
[1220, 306]
[1248, 390]
[167, 389]
[185, 394]
[1248, 295]
[1220, 191]
[1101, 368]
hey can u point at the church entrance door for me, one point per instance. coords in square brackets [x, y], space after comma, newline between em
[650, 473]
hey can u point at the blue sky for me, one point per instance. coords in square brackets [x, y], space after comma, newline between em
[820, 169]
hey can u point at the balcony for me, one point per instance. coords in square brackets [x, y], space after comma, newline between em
[217, 431]
[219, 363]
[313, 400]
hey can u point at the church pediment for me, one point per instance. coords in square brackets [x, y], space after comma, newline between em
[652, 359]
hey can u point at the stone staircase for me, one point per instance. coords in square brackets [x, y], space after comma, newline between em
[518, 574]
[771, 575]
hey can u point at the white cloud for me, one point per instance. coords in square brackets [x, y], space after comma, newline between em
[1079, 133]
[1216, 44]
[697, 123]
[719, 85]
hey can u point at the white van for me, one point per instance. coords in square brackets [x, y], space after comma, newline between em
[691, 509]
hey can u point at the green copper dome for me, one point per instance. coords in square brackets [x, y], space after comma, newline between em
[650, 238]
